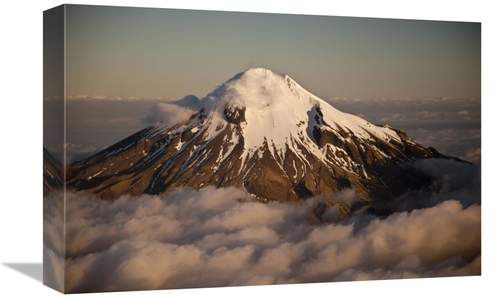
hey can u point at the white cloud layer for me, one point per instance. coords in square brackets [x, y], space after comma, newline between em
[210, 238]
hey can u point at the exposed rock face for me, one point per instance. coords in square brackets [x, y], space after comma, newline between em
[235, 114]
[264, 133]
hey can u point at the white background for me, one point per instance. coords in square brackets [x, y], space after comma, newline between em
[21, 144]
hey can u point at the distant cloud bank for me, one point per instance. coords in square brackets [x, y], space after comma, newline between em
[105, 97]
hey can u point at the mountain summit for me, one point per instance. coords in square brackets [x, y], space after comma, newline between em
[277, 110]
[262, 132]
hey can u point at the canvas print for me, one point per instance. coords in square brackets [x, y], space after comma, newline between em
[191, 149]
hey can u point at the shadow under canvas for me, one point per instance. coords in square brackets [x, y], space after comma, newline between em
[33, 270]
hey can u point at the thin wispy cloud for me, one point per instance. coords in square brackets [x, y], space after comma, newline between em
[168, 114]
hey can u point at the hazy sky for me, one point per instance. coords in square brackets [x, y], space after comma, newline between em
[144, 52]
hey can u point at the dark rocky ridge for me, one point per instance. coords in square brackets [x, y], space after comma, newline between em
[52, 173]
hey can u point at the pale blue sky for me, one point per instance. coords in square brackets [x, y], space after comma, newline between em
[145, 52]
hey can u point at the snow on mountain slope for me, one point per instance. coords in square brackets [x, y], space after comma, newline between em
[278, 109]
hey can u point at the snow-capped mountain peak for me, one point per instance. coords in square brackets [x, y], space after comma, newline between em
[277, 109]
[255, 89]
[262, 132]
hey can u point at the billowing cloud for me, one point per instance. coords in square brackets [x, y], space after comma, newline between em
[180, 245]
[168, 114]
[53, 241]
[428, 237]
[221, 237]
[409, 268]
